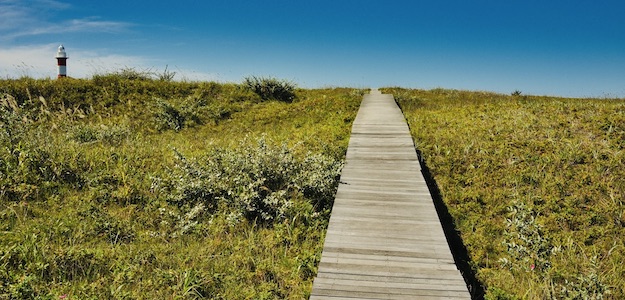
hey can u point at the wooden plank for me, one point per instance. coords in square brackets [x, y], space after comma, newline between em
[339, 255]
[377, 284]
[385, 240]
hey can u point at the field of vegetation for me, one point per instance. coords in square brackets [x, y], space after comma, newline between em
[535, 185]
[124, 186]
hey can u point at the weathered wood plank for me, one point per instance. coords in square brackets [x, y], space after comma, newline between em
[385, 240]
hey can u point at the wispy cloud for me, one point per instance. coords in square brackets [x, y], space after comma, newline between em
[38, 61]
[13, 15]
[27, 18]
[28, 26]
[194, 75]
[76, 25]
[32, 61]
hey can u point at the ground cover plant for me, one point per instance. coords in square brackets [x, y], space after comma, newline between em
[126, 186]
[535, 186]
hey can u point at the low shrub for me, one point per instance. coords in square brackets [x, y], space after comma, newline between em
[176, 114]
[167, 116]
[254, 182]
[84, 134]
[28, 166]
[271, 88]
[126, 74]
[111, 134]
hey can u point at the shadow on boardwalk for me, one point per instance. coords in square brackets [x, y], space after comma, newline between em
[458, 250]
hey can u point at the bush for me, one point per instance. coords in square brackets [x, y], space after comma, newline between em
[29, 167]
[84, 134]
[193, 110]
[127, 74]
[167, 116]
[271, 88]
[114, 134]
[254, 182]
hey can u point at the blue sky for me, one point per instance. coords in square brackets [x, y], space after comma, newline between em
[560, 48]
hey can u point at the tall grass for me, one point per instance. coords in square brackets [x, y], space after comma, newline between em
[535, 185]
[140, 188]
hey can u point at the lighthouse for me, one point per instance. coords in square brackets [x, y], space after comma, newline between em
[61, 61]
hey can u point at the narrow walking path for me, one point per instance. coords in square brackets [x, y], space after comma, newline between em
[385, 240]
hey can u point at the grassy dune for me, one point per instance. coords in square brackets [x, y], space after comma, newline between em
[535, 185]
[126, 187]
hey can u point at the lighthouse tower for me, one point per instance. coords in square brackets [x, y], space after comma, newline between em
[61, 60]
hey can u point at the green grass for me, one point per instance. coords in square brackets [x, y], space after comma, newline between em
[127, 187]
[534, 184]
[134, 188]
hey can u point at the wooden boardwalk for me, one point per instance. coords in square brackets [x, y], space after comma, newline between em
[385, 240]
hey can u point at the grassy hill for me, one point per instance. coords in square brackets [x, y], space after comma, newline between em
[535, 186]
[127, 187]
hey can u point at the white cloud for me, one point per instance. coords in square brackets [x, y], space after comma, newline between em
[93, 24]
[193, 75]
[75, 25]
[38, 61]
[53, 4]
[30, 18]
[12, 16]
[33, 61]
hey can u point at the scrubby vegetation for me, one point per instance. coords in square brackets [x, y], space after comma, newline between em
[132, 187]
[535, 185]
[271, 88]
